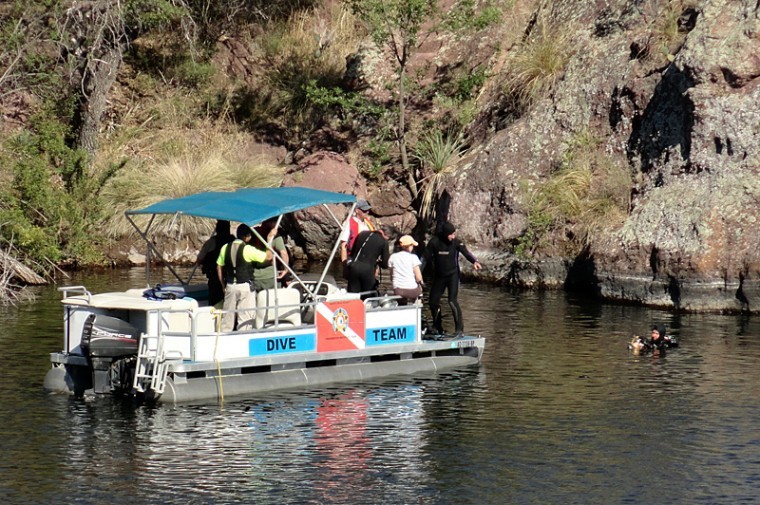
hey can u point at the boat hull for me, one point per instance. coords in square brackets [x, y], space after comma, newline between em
[210, 381]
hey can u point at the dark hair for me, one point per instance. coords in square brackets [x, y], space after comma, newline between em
[222, 227]
[243, 231]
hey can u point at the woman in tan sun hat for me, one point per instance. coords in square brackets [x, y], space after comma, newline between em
[406, 275]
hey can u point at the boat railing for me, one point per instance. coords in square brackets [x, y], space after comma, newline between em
[206, 321]
[76, 290]
[163, 323]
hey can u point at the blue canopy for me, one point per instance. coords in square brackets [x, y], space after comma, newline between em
[248, 205]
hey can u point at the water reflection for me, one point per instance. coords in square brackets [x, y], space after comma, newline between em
[558, 412]
[311, 447]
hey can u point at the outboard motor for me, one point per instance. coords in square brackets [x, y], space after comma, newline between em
[109, 344]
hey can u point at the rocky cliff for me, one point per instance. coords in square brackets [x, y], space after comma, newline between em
[654, 102]
[680, 112]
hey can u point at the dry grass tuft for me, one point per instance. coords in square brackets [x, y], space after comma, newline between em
[538, 65]
[667, 32]
[588, 193]
[309, 49]
[192, 155]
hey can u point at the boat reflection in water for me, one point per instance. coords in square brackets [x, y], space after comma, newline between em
[335, 441]
[342, 441]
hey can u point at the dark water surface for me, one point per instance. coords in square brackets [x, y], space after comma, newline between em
[559, 412]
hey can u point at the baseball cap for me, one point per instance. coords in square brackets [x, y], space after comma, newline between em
[363, 205]
[406, 240]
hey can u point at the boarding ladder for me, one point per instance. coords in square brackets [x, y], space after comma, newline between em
[152, 365]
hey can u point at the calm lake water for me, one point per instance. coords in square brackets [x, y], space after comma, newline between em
[559, 412]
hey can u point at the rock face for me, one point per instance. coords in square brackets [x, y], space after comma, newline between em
[315, 229]
[680, 110]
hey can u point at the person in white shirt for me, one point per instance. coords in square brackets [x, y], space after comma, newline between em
[406, 275]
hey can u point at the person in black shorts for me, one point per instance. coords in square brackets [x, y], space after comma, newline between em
[370, 250]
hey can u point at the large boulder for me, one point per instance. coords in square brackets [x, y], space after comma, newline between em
[316, 229]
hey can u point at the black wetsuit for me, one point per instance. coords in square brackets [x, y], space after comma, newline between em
[658, 346]
[444, 256]
[369, 246]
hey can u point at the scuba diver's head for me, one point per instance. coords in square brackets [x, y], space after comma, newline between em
[658, 331]
[448, 232]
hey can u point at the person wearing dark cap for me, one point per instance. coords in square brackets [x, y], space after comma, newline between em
[354, 225]
[442, 252]
[656, 343]
[235, 270]
[207, 257]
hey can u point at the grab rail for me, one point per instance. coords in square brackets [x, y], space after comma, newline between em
[78, 290]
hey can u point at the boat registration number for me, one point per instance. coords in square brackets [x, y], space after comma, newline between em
[462, 343]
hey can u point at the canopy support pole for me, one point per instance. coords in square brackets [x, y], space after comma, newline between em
[151, 248]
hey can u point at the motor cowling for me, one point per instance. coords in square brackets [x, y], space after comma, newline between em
[110, 345]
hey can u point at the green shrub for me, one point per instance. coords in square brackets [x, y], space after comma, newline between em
[379, 151]
[348, 105]
[468, 85]
[194, 74]
[437, 153]
[472, 15]
[50, 206]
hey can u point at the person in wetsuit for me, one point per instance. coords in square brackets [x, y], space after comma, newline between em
[369, 251]
[442, 252]
[656, 343]
[659, 341]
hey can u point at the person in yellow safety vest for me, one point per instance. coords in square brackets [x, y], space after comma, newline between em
[234, 267]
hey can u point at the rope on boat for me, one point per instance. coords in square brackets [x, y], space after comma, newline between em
[218, 326]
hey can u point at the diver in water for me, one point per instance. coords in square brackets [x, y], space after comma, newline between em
[656, 343]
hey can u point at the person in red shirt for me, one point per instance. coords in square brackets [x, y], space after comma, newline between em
[353, 226]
